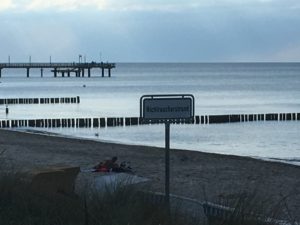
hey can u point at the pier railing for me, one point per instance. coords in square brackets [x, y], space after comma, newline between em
[57, 65]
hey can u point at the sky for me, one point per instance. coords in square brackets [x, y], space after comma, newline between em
[150, 30]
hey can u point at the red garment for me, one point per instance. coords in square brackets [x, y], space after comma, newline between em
[102, 169]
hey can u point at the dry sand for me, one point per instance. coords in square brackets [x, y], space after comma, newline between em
[197, 175]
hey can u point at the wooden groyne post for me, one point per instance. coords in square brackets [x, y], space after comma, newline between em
[55, 100]
[134, 121]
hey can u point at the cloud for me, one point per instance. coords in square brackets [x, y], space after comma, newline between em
[291, 52]
[20, 41]
[64, 5]
[140, 5]
[110, 5]
[152, 30]
[150, 5]
[6, 4]
[53, 5]
[179, 5]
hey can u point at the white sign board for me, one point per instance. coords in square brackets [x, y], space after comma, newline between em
[167, 107]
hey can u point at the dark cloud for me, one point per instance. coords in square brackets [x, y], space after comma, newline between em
[199, 34]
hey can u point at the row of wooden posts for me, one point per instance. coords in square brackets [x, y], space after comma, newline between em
[131, 121]
[60, 100]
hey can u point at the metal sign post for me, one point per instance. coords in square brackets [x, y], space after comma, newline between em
[167, 162]
[167, 109]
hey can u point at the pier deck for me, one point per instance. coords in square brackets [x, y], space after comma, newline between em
[61, 68]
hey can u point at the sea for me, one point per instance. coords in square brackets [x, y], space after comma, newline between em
[218, 88]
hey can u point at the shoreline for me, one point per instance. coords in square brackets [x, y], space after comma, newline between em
[198, 175]
[292, 161]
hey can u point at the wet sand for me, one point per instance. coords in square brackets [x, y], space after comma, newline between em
[196, 175]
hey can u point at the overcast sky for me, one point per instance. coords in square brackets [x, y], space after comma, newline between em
[150, 30]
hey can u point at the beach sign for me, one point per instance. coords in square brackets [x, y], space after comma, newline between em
[167, 108]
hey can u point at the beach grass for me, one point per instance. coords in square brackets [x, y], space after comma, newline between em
[251, 208]
[20, 204]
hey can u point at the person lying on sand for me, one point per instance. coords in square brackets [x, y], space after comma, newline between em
[111, 165]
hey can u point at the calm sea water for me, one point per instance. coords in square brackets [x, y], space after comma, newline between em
[222, 88]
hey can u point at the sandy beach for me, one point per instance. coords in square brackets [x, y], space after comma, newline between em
[196, 175]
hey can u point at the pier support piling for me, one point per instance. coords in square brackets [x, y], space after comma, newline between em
[55, 72]
[27, 71]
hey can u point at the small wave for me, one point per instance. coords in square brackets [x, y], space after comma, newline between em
[287, 159]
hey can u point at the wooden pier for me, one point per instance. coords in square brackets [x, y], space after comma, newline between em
[62, 69]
